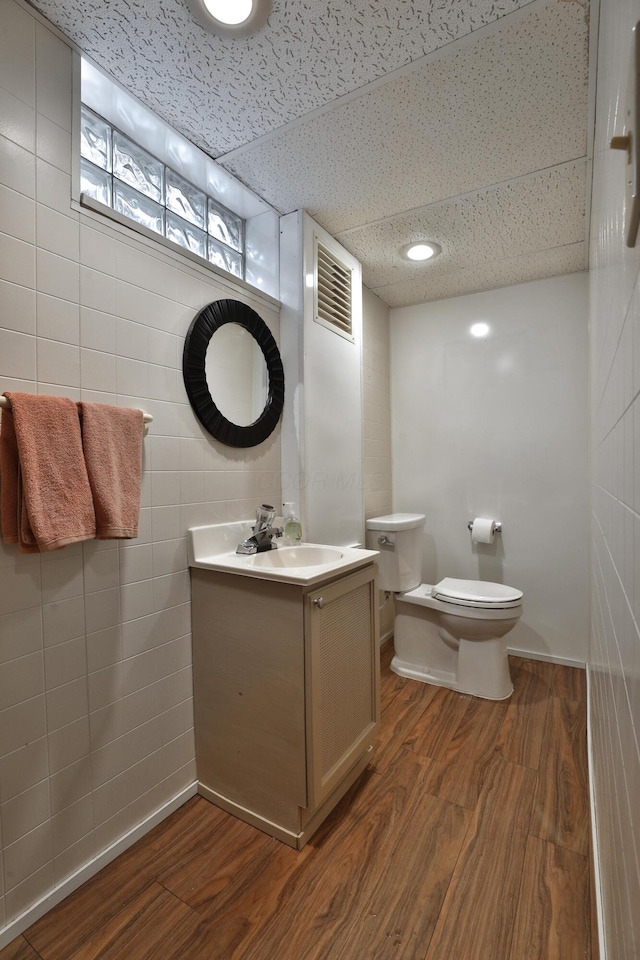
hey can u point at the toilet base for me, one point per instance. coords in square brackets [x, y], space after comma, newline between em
[459, 648]
[440, 678]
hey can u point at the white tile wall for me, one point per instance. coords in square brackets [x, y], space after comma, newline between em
[95, 684]
[615, 637]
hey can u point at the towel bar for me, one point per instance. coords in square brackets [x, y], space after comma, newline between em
[6, 403]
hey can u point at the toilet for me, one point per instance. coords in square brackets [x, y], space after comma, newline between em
[452, 633]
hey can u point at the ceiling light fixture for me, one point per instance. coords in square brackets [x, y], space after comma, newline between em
[479, 329]
[421, 250]
[231, 18]
[231, 12]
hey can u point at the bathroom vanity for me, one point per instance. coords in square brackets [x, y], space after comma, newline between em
[286, 680]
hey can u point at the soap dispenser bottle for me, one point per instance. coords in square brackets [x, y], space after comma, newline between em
[292, 526]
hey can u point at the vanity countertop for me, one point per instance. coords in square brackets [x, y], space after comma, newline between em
[213, 547]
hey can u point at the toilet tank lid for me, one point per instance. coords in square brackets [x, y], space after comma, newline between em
[479, 591]
[396, 521]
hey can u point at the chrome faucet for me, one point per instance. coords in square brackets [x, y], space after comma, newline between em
[263, 532]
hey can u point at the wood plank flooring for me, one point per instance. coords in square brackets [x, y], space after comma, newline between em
[467, 838]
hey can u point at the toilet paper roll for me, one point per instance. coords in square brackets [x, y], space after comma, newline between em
[483, 530]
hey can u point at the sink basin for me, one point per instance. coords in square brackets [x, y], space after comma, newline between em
[213, 547]
[302, 556]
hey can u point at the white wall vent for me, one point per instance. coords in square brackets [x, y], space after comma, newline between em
[321, 465]
[333, 292]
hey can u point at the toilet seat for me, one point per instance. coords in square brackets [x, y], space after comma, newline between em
[476, 593]
[422, 596]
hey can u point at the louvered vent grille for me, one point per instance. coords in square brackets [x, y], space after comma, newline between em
[333, 291]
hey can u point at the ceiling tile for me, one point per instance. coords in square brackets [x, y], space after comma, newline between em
[386, 121]
[513, 102]
[537, 213]
[221, 93]
[486, 276]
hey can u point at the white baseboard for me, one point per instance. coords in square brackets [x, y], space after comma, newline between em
[595, 845]
[547, 658]
[42, 906]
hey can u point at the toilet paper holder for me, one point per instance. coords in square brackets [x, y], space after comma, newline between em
[497, 528]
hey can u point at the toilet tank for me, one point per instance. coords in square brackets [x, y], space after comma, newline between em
[400, 561]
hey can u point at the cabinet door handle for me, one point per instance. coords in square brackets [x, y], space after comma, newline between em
[320, 602]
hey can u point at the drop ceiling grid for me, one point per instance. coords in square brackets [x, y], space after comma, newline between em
[432, 133]
[539, 213]
[490, 276]
[223, 94]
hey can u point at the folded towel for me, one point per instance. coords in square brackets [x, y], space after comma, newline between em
[27, 542]
[14, 518]
[46, 485]
[13, 512]
[112, 441]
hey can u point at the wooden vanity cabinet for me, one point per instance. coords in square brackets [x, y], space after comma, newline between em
[286, 694]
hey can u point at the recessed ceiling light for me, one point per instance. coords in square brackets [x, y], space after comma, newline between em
[479, 330]
[421, 250]
[230, 12]
[231, 18]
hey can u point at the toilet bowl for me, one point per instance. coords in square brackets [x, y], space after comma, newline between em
[452, 633]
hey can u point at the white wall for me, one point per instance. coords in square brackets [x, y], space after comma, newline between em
[376, 467]
[615, 641]
[376, 464]
[322, 434]
[95, 648]
[497, 427]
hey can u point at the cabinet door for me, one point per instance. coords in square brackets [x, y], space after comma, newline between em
[342, 678]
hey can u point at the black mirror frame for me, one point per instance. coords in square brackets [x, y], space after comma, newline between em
[202, 328]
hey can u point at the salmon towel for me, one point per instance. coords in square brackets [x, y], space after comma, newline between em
[13, 511]
[112, 441]
[46, 499]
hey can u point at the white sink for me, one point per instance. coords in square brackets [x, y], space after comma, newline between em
[302, 556]
[213, 547]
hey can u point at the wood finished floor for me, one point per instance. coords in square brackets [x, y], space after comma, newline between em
[466, 839]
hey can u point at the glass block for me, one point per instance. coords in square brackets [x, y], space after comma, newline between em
[225, 258]
[186, 235]
[226, 227]
[95, 183]
[185, 199]
[137, 167]
[134, 205]
[95, 139]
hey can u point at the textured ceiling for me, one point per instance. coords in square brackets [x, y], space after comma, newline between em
[532, 225]
[462, 121]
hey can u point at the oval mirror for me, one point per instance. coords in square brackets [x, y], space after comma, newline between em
[237, 374]
[233, 373]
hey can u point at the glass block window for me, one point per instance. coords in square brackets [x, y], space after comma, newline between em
[120, 174]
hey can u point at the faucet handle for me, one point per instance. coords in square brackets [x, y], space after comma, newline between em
[265, 513]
